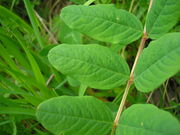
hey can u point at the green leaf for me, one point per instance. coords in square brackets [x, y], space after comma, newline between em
[75, 116]
[17, 110]
[141, 119]
[103, 23]
[73, 82]
[69, 36]
[163, 15]
[82, 90]
[27, 81]
[113, 107]
[6, 57]
[34, 23]
[32, 61]
[158, 62]
[14, 50]
[116, 47]
[14, 92]
[13, 19]
[92, 65]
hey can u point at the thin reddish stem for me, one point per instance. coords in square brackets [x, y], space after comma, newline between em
[131, 78]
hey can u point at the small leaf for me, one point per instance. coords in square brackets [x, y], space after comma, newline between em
[92, 65]
[75, 116]
[82, 90]
[158, 62]
[103, 23]
[69, 36]
[73, 82]
[163, 15]
[147, 119]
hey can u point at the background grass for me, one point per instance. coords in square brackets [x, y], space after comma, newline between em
[28, 30]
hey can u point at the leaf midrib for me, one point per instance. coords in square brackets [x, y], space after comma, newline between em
[121, 74]
[106, 122]
[104, 19]
[73, 116]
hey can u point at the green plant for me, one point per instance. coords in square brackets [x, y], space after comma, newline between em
[74, 88]
[22, 80]
[99, 67]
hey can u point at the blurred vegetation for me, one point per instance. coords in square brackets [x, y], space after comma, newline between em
[27, 32]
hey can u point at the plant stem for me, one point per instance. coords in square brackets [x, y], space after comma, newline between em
[149, 97]
[12, 5]
[130, 82]
[131, 6]
[49, 79]
[45, 27]
[131, 78]
[61, 84]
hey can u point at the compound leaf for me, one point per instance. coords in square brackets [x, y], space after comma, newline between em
[147, 119]
[92, 65]
[75, 116]
[158, 62]
[103, 23]
[163, 15]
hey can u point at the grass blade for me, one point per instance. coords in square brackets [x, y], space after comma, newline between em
[33, 20]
